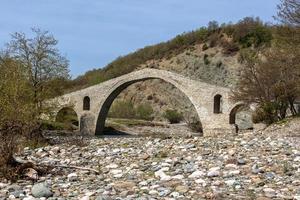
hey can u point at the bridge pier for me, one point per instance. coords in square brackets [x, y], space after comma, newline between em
[87, 124]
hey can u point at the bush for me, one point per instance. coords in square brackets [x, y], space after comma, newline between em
[266, 113]
[144, 111]
[8, 142]
[252, 32]
[15, 135]
[204, 47]
[49, 125]
[122, 109]
[229, 48]
[173, 116]
[206, 60]
[213, 40]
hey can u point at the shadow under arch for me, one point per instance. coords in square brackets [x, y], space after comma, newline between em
[67, 115]
[100, 123]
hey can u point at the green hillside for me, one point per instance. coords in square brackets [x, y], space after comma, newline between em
[249, 32]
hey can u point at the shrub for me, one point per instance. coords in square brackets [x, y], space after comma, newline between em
[173, 116]
[213, 40]
[49, 125]
[144, 111]
[219, 64]
[229, 48]
[206, 60]
[122, 109]
[204, 47]
[14, 135]
[266, 113]
[252, 32]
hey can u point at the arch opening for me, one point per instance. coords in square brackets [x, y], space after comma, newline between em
[233, 112]
[104, 110]
[67, 118]
[241, 116]
[86, 103]
[217, 104]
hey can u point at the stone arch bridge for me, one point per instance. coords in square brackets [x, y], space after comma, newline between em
[215, 109]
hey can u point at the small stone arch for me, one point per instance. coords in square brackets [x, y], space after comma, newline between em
[102, 115]
[69, 116]
[86, 103]
[233, 111]
[217, 104]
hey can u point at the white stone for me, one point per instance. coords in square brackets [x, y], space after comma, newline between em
[143, 183]
[116, 171]
[230, 182]
[231, 166]
[112, 166]
[165, 169]
[197, 174]
[233, 172]
[179, 177]
[297, 159]
[85, 198]
[165, 164]
[161, 174]
[213, 172]
[269, 192]
[73, 177]
[201, 181]
[11, 197]
[175, 194]
[297, 197]
[118, 175]
[29, 198]
[153, 192]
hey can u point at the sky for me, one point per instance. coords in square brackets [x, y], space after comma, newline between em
[92, 33]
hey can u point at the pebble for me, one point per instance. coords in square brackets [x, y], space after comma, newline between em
[172, 168]
[269, 192]
[41, 190]
[213, 172]
[72, 177]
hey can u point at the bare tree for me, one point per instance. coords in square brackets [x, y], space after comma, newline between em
[289, 12]
[271, 80]
[42, 61]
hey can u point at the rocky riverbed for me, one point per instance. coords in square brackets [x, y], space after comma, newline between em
[252, 165]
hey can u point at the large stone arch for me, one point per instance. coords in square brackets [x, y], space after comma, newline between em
[118, 88]
[200, 94]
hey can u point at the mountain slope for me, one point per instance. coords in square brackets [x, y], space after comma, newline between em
[209, 54]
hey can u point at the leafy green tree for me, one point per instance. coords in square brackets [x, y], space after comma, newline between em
[15, 92]
[252, 32]
[212, 25]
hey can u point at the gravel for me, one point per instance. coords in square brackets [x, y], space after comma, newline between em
[252, 165]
